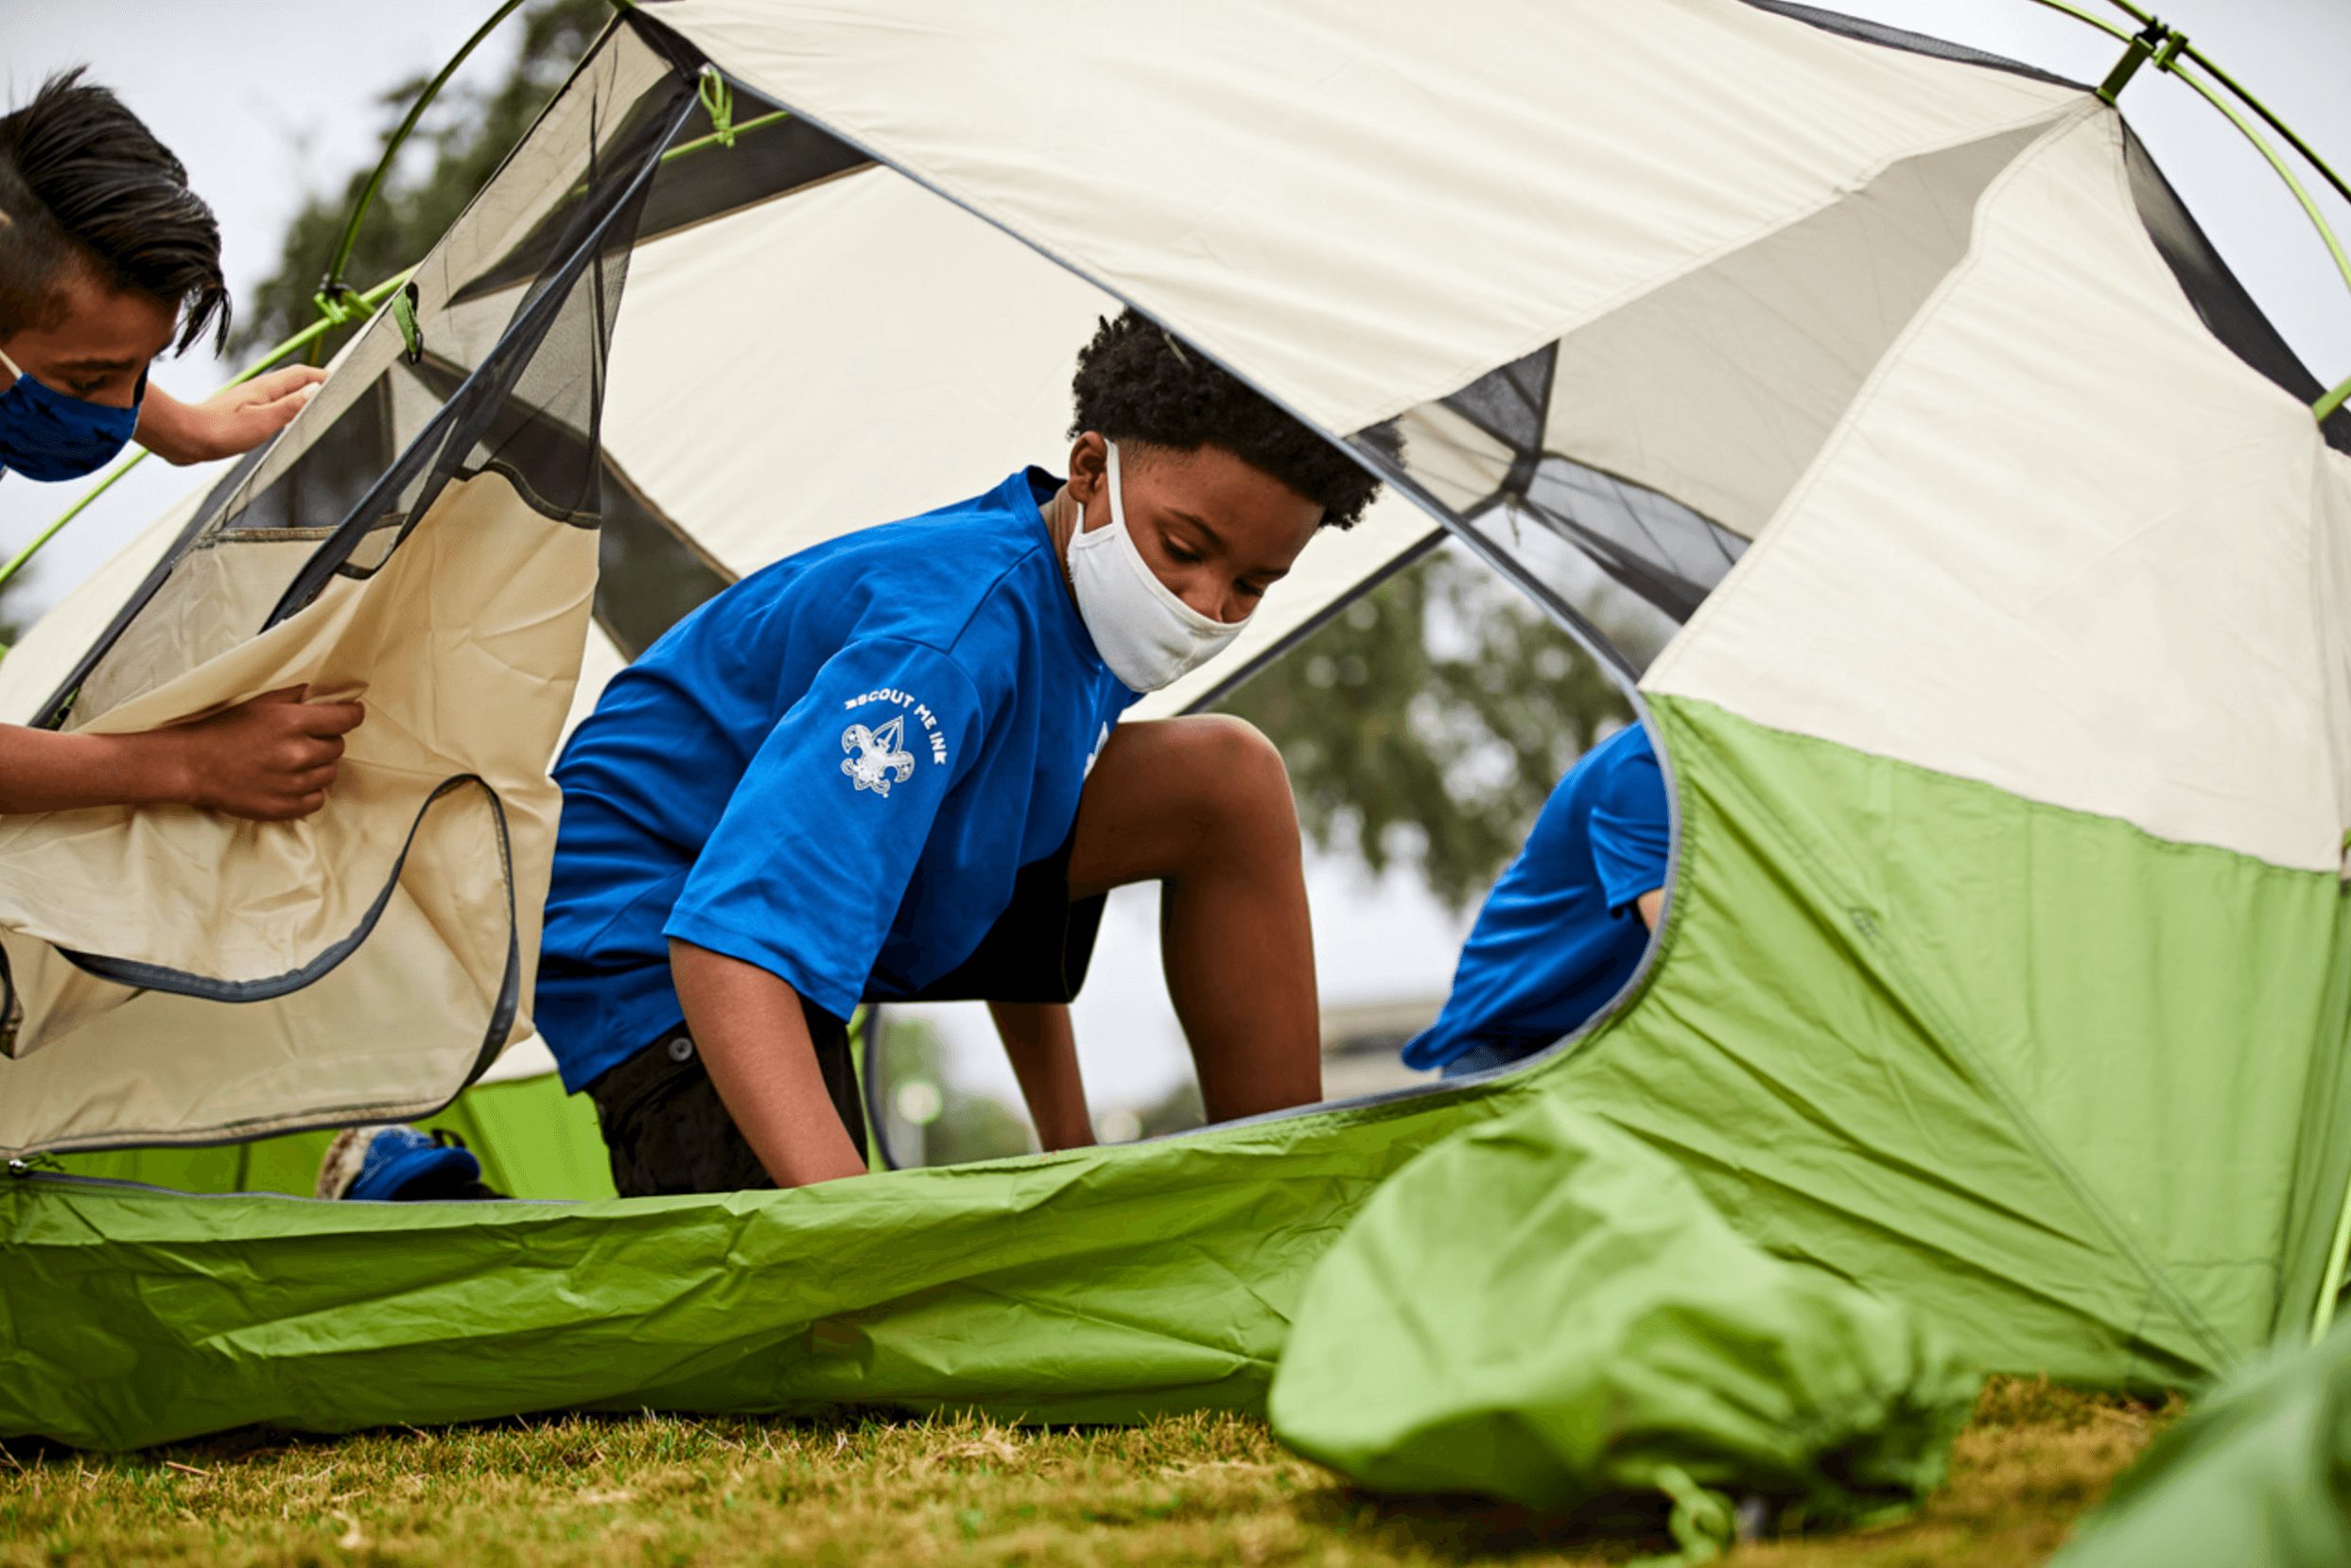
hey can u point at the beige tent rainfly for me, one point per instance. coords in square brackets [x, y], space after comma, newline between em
[2006, 965]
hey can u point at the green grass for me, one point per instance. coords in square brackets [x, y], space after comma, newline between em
[666, 1489]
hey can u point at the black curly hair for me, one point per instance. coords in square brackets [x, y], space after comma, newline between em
[84, 183]
[1136, 382]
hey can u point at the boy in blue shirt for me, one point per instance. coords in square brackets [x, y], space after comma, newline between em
[1559, 936]
[890, 767]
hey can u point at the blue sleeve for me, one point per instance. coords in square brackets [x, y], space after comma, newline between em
[812, 856]
[1631, 829]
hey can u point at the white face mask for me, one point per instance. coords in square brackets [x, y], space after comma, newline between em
[1145, 633]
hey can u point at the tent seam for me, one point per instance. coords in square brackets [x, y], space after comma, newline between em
[1641, 288]
[1864, 399]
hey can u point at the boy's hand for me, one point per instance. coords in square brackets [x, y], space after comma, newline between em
[229, 423]
[270, 760]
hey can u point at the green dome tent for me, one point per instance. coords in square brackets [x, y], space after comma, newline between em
[2004, 966]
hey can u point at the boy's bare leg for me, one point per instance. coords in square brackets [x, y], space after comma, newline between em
[1036, 1036]
[1202, 806]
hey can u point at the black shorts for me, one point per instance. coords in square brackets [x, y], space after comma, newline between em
[666, 1129]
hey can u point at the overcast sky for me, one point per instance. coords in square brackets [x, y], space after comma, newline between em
[270, 101]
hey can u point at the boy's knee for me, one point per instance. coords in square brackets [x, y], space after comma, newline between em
[1238, 786]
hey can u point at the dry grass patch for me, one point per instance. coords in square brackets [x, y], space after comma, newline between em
[655, 1490]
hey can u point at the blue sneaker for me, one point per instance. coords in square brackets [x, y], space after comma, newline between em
[388, 1162]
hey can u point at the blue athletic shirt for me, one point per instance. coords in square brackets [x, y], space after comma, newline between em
[1559, 936]
[832, 770]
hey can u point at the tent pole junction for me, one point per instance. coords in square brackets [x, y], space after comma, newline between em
[332, 280]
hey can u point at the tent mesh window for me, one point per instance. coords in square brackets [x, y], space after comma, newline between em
[1525, 449]
[652, 572]
[1662, 550]
[506, 375]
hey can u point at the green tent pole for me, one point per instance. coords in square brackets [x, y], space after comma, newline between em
[2271, 120]
[2123, 34]
[398, 138]
[2318, 219]
[2333, 400]
[2331, 1286]
[2170, 57]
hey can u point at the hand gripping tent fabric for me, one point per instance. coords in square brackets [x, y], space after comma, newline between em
[2004, 966]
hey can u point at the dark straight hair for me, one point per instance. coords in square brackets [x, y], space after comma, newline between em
[84, 183]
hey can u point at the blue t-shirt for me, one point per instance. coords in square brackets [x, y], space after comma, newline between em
[1559, 936]
[832, 770]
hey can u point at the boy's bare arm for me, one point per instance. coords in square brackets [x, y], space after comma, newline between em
[754, 1039]
[231, 422]
[269, 760]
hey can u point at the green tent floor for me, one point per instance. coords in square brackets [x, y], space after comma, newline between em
[534, 1141]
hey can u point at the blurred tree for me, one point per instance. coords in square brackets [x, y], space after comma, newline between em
[964, 1124]
[1429, 720]
[11, 629]
[460, 141]
[1177, 1110]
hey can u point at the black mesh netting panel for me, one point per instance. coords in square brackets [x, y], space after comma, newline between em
[2227, 308]
[772, 153]
[652, 571]
[1898, 38]
[1663, 551]
[518, 390]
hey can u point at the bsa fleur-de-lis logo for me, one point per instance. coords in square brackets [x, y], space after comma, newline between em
[876, 758]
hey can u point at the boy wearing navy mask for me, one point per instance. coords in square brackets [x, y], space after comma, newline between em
[890, 767]
[106, 257]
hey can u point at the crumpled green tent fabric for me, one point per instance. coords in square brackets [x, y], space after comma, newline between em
[1544, 1310]
[2259, 1471]
[1096, 1286]
[1846, 1040]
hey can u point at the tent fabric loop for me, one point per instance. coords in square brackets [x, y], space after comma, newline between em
[404, 317]
[718, 101]
[1703, 1522]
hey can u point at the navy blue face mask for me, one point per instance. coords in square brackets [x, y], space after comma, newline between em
[47, 435]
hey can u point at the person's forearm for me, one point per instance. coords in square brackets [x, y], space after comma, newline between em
[162, 428]
[754, 1040]
[43, 771]
[1043, 1050]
